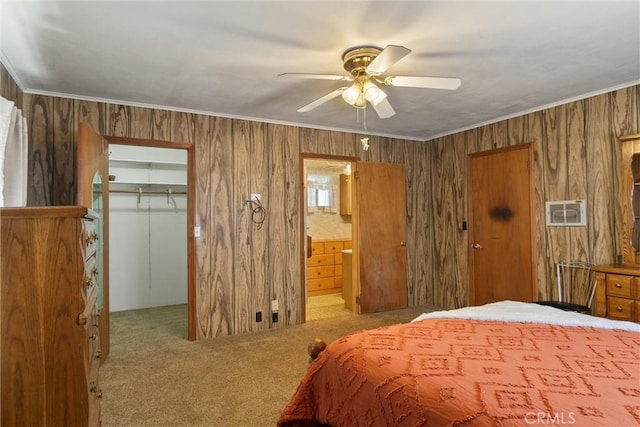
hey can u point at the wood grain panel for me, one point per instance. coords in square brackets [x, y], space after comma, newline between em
[449, 159]
[335, 143]
[216, 288]
[577, 183]
[406, 153]
[39, 113]
[260, 233]
[420, 232]
[141, 123]
[517, 130]
[500, 134]
[554, 146]
[247, 239]
[118, 120]
[183, 127]
[310, 141]
[9, 89]
[485, 139]
[92, 113]
[161, 126]
[284, 220]
[623, 101]
[555, 176]
[604, 163]
[543, 269]
[64, 152]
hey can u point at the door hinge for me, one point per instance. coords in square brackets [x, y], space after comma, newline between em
[356, 174]
[357, 300]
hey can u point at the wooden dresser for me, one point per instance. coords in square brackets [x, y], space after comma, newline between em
[619, 288]
[51, 282]
[325, 266]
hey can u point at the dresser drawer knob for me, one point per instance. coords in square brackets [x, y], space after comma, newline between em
[618, 285]
[619, 308]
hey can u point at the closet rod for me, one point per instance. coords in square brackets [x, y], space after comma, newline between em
[164, 193]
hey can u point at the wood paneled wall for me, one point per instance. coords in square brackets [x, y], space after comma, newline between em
[8, 87]
[241, 267]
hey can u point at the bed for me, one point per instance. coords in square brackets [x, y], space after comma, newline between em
[501, 364]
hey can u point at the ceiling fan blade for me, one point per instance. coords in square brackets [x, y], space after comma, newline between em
[450, 83]
[389, 56]
[384, 109]
[320, 101]
[316, 76]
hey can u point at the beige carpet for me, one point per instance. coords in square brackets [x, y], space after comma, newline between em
[325, 306]
[155, 377]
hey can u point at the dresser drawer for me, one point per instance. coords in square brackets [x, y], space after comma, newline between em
[317, 272]
[90, 272]
[619, 308]
[95, 392]
[333, 247]
[90, 237]
[320, 284]
[619, 285]
[320, 259]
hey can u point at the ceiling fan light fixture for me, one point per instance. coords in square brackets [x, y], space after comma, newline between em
[373, 93]
[351, 94]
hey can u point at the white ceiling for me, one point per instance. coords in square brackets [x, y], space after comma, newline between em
[223, 57]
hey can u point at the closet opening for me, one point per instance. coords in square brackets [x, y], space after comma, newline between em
[151, 232]
[328, 189]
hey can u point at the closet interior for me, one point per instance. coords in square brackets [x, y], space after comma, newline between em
[148, 227]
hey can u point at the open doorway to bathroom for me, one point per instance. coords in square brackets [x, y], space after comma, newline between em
[328, 192]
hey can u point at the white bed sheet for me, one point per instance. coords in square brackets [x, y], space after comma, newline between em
[515, 311]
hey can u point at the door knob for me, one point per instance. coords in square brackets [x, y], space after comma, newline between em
[477, 246]
[403, 243]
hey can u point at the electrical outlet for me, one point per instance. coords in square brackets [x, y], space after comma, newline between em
[255, 197]
[274, 305]
[258, 316]
[274, 317]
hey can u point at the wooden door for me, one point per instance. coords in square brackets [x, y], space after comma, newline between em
[93, 151]
[501, 229]
[380, 233]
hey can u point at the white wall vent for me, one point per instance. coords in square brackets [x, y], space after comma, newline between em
[568, 213]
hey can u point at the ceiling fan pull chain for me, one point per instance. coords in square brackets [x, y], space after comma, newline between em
[365, 140]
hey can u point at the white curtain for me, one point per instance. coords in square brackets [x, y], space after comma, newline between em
[13, 155]
[322, 192]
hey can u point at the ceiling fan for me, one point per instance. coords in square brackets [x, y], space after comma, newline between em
[365, 66]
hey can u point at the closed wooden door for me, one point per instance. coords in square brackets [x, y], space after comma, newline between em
[501, 252]
[380, 233]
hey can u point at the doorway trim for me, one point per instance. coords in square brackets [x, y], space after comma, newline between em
[303, 221]
[191, 243]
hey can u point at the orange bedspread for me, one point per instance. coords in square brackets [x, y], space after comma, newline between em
[440, 372]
